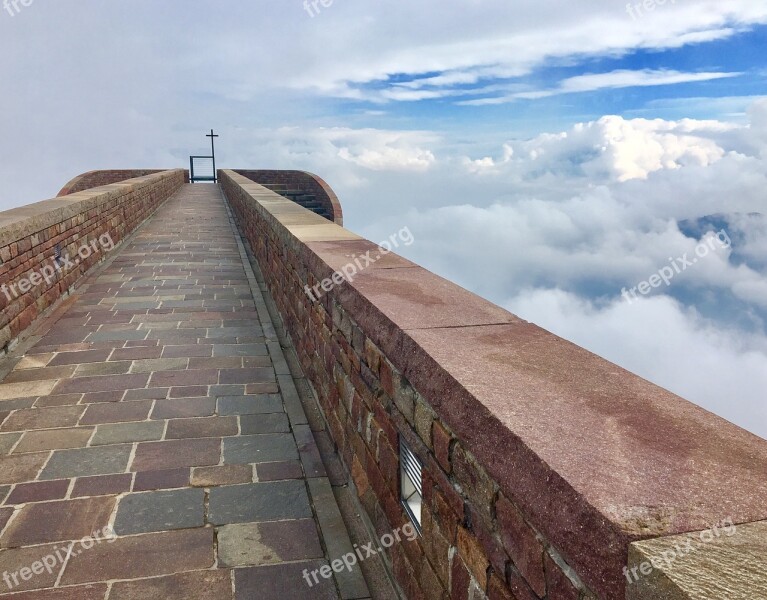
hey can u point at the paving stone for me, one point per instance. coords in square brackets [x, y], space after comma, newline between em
[274, 471]
[155, 456]
[188, 351]
[6, 512]
[106, 368]
[268, 543]
[269, 447]
[112, 336]
[99, 397]
[58, 400]
[176, 408]
[257, 375]
[143, 556]
[95, 591]
[161, 480]
[118, 412]
[351, 583]
[249, 405]
[222, 475]
[283, 581]
[57, 521]
[147, 394]
[136, 353]
[102, 485]
[160, 511]
[224, 362]
[106, 383]
[54, 439]
[197, 585]
[9, 391]
[38, 491]
[309, 452]
[258, 502]
[227, 390]
[35, 362]
[202, 428]
[179, 378]
[264, 423]
[159, 364]
[22, 467]
[262, 388]
[7, 406]
[82, 462]
[43, 418]
[7, 441]
[15, 559]
[44, 374]
[188, 391]
[119, 433]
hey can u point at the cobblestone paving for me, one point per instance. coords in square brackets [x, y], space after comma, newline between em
[160, 407]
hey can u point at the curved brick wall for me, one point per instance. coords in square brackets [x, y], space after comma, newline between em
[543, 463]
[302, 180]
[30, 235]
[93, 179]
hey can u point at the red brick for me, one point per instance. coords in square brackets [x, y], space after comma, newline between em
[521, 542]
[441, 440]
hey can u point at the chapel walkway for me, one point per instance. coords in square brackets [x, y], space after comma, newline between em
[158, 405]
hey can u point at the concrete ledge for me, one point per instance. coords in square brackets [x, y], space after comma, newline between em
[543, 463]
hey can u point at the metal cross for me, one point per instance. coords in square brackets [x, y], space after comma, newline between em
[213, 137]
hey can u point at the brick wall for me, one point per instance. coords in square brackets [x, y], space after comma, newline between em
[30, 236]
[300, 180]
[542, 462]
[93, 179]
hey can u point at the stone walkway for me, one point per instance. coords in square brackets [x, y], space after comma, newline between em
[159, 407]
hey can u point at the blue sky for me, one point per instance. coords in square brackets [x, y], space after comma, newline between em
[545, 154]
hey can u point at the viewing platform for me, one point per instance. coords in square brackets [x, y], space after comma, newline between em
[205, 393]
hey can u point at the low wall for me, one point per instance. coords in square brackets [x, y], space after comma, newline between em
[35, 239]
[93, 179]
[542, 463]
[300, 180]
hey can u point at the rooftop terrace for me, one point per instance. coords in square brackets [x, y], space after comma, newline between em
[176, 391]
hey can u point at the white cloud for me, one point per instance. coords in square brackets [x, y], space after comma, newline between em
[612, 80]
[612, 148]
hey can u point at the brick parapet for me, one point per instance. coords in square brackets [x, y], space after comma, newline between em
[31, 237]
[300, 180]
[92, 179]
[543, 463]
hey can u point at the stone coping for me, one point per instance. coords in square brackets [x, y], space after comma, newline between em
[724, 561]
[18, 223]
[596, 456]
